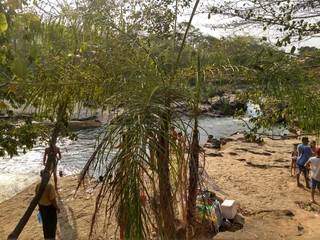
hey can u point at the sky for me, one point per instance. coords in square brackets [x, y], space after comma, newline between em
[202, 22]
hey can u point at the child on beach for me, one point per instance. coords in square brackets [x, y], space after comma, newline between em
[304, 153]
[314, 163]
[294, 155]
[314, 148]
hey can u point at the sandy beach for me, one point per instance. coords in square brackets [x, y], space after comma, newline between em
[257, 176]
[74, 219]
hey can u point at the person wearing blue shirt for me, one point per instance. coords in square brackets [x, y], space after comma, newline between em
[304, 153]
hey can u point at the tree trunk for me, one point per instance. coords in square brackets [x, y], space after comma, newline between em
[44, 180]
[166, 209]
[193, 179]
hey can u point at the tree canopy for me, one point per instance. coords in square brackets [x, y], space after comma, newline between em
[293, 19]
[135, 57]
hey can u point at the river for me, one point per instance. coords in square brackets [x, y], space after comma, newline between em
[20, 171]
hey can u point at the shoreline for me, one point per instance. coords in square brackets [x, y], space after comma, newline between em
[257, 176]
[9, 191]
[76, 153]
[73, 220]
[32, 180]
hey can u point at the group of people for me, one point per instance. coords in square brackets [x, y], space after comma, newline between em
[306, 160]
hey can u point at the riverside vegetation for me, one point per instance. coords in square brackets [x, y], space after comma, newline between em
[135, 57]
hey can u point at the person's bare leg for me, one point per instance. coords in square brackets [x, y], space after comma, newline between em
[313, 190]
[298, 180]
[55, 178]
[306, 179]
[291, 168]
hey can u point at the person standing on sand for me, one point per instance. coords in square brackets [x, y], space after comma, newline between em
[304, 153]
[53, 149]
[313, 145]
[48, 209]
[315, 174]
[294, 155]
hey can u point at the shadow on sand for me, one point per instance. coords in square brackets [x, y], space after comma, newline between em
[66, 222]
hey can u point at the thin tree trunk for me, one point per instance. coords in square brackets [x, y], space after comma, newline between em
[182, 180]
[44, 180]
[193, 179]
[166, 209]
[194, 160]
[184, 187]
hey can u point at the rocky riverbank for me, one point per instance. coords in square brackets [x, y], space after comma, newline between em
[219, 106]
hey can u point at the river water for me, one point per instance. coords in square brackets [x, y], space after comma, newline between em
[20, 171]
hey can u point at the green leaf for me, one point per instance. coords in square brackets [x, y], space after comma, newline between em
[293, 49]
[33, 20]
[19, 67]
[3, 106]
[14, 4]
[3, 23]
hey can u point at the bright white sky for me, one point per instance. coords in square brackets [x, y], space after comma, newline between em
[202, 22]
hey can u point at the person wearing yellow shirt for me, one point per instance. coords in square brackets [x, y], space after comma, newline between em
[48, 208]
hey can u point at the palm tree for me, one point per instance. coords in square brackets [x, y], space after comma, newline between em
[147, 94]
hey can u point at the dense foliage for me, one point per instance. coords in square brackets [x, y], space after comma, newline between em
[134, 57]
[292, 19]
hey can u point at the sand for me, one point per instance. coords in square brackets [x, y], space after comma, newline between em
[73, 221]
[257, 176]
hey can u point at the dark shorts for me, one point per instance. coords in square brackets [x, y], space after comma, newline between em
[53, 166]
[314, 183]
[49, 221]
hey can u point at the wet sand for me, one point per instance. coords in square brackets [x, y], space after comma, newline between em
[256, 176]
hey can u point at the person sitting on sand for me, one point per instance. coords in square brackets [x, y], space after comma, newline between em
[212, 143]
[209, 141]
[294, 155]
[48, 209]
[55, 151]
[304, 153]
[315, 173]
